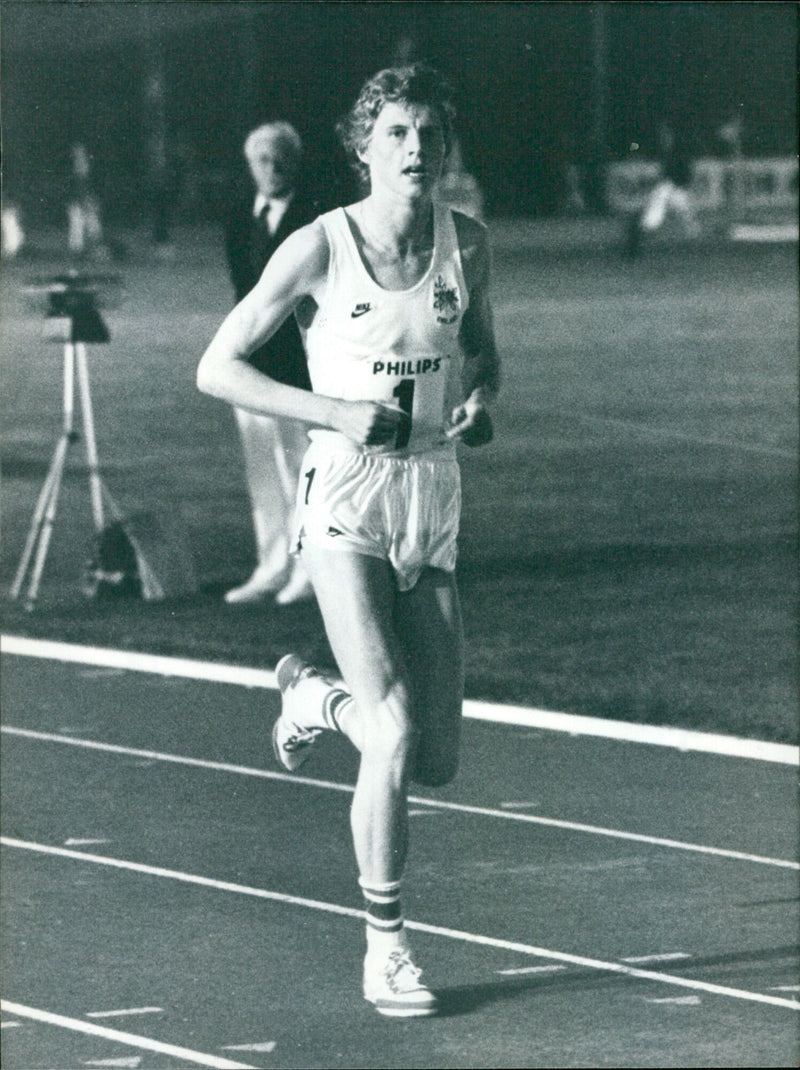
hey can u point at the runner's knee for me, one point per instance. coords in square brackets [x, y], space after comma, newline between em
[389, 731]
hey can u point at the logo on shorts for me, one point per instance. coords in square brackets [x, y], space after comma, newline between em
[332, 531]
[445, 301]
[359, 310]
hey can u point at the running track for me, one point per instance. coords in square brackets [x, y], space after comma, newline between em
[586, 894]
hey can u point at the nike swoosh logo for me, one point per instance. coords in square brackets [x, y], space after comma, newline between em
[360, 310]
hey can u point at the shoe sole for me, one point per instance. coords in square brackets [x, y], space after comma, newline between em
[404, 1010]
[284, 679]
[276, 749]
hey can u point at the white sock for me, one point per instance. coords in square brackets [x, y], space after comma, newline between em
[323, 701]
[384, 916]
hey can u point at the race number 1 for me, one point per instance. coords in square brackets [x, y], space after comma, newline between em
[404, 392]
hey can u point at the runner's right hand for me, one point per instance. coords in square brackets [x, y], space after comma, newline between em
[368, 423]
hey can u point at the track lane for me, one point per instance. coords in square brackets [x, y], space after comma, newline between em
[578, 893]
[415, 800]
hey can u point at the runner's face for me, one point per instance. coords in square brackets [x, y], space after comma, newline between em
[406, 149]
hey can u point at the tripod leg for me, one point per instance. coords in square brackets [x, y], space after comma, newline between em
[95, 482]
[53, 475]
[44, 513]
[46, 527]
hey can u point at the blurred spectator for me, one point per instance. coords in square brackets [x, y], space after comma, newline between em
[13, 232]
[574, 200]
[670, 195]
[731, 140]
[730, 134]
[273, 447]
[85, 227]
[163, 187]
[593, 186]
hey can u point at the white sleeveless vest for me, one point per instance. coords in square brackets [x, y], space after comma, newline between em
[398, 347]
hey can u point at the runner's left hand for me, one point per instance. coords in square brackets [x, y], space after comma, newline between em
[471, 424]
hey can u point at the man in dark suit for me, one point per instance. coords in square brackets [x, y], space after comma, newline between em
[273, 447]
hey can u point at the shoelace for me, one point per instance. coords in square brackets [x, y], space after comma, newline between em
[398, 966]
[302, 738]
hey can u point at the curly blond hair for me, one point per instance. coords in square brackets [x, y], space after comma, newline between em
[417, 84]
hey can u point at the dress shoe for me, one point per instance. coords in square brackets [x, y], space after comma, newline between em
[258, 588]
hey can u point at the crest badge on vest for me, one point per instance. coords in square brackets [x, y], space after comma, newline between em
[445, 301]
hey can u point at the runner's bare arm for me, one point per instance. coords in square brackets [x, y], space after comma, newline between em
[292, 278]
[470, 421]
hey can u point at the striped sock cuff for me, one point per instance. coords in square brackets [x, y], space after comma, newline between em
[374, 890]
[334, 702]
[383, 909]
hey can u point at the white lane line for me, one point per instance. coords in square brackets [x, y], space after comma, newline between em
[135, 662]
[572, 724]
[433, 930]
[124, 1013]
[682, 739]
[440, 804]
[670, 956]
[129, 1063]
[521, 970]
[84, 843]
[261, 1045]
[145, 1043]
[690, 1001]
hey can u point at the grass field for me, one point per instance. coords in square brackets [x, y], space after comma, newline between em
[629, 545]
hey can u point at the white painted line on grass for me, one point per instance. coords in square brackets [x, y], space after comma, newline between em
[433, 930]
[765, 232]
[439, 804]
[131, 1039]
[573, 724]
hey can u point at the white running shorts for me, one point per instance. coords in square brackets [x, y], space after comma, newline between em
[405, 510]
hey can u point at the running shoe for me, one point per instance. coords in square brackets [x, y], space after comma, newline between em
[291, 740]
[392, 984]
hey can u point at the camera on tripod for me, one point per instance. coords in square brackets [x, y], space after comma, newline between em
[72, 304]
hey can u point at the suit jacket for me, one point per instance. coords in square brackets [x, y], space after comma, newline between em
[248, 247]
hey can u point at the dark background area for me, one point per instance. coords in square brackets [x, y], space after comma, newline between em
[539, 85]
